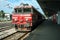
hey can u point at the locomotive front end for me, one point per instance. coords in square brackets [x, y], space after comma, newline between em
[22, 18]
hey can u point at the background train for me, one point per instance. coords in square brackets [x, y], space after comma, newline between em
[25, 17]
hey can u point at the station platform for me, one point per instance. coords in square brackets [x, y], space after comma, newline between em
[45, 31]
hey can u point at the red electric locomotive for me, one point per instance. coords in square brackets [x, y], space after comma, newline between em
[24, 17]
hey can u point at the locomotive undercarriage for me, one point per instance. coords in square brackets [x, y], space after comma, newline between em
[23, 27]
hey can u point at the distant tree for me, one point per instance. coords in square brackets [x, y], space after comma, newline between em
[2, 14]
[10, 16]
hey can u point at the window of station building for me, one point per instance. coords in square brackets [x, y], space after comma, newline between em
[27, 10]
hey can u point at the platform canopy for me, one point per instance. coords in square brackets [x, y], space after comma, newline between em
[49, 6]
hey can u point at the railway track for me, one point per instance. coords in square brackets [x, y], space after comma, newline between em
[17, 36]
[9, 33]
[5, 28]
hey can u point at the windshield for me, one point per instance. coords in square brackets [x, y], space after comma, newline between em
[27, 9]
[18, 10]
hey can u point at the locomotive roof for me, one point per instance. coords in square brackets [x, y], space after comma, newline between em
[21, 6]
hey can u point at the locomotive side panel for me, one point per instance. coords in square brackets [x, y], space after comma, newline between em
[37, 17]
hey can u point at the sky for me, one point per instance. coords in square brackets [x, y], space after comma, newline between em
[8, 5]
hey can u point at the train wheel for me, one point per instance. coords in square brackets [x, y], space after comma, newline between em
[16, 26]
[29, 28]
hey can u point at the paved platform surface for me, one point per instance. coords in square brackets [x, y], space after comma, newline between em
[45, 31]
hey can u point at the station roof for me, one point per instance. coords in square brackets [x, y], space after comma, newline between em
[49, 6]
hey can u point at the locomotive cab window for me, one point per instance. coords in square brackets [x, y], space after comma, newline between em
[18, 10]
[27, 9]
[15, 10]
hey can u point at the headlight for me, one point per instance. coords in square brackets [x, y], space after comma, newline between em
[15, 19]
[27, 19]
